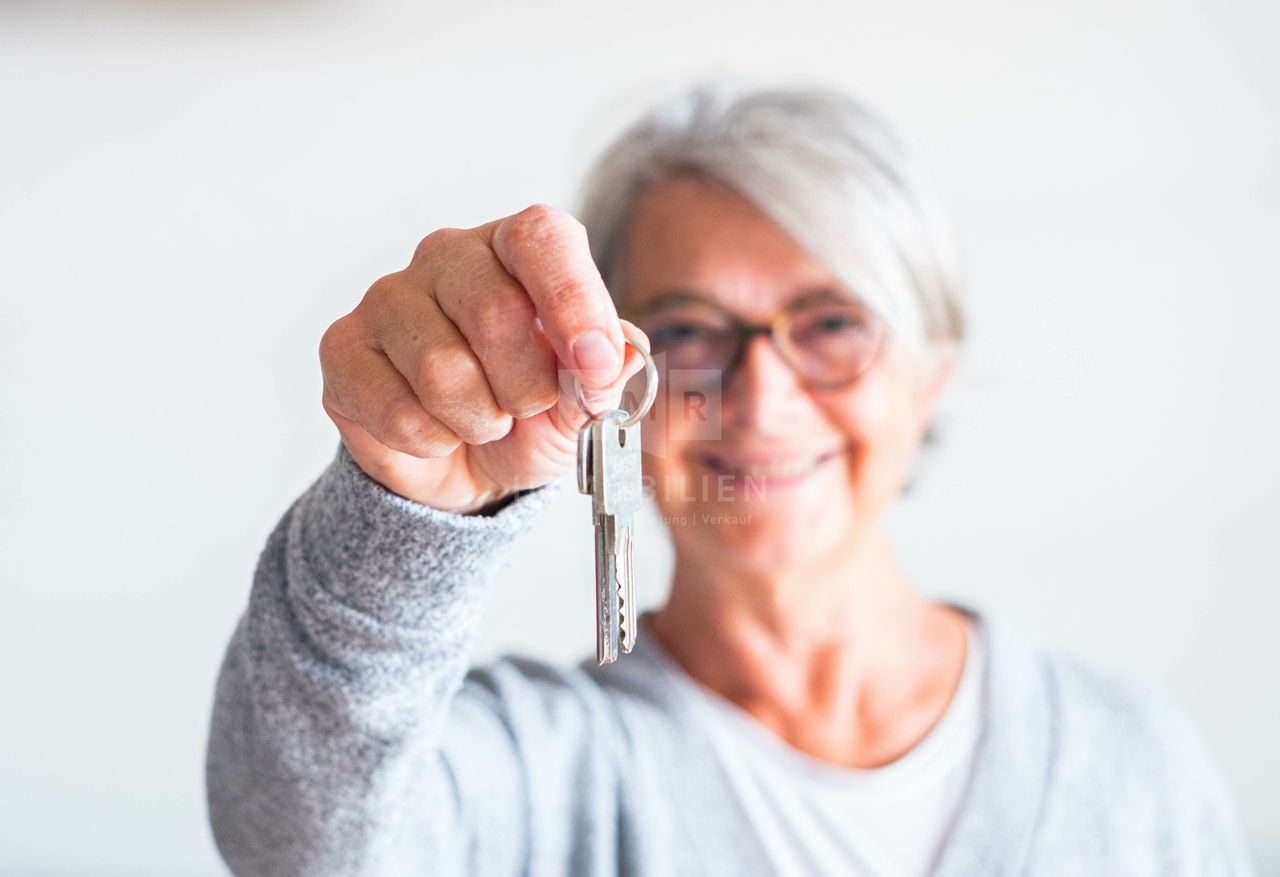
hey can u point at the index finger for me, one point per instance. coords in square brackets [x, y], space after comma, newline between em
[546, 250]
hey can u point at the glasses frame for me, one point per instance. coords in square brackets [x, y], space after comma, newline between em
[745, 331]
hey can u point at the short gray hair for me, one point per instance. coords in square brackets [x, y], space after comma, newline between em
[821, 165]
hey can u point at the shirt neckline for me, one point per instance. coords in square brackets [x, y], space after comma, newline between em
[965, 701]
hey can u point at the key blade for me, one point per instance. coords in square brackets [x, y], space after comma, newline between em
[607, 634]
[626, 586]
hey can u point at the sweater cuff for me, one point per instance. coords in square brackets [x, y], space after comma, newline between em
[398, 560]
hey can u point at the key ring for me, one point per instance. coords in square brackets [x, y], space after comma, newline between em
[650, 389]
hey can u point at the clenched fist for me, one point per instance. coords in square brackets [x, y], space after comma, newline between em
[446, 381]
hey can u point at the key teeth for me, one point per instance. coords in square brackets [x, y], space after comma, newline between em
[624, 641]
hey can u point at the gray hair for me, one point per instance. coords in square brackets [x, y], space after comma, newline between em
[822, 166]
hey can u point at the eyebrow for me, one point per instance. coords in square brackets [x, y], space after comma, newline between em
[676, 297]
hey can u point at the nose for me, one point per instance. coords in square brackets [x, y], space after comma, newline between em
[762, 393]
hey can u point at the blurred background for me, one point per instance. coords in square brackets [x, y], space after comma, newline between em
[190, 192]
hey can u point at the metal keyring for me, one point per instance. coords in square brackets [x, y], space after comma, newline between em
[650, 389]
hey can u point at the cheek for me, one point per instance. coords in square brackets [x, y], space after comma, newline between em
[880, 425]
[666, 474]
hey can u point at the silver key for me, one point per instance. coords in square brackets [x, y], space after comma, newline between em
[609, 470]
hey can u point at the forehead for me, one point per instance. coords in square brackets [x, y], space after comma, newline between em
[690, 236]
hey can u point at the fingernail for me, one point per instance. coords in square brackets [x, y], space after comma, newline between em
[593, 352]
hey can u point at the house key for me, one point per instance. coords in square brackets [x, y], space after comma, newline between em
[609, 470]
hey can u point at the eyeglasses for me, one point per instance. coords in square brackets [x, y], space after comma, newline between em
[829, 340]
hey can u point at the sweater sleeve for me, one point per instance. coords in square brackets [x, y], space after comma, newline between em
[1134, 789]
[324, 755]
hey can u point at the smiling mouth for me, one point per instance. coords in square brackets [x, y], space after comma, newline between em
[773, 470]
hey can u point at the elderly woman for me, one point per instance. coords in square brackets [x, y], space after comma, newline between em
[797, 706]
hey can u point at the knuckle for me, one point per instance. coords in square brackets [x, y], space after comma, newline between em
[501, 425]
[496, 313]
[333, 341]
[401, 427]
[537, 222]
[439, 242]
[446, 369]
[441, 446]
[529, 399]
[380, 293]
[405, 427]
[523, 409]
[540, 215]
[566, 293]
[339, 351]
[484, 429]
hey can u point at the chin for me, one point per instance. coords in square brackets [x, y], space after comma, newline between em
[755, 543]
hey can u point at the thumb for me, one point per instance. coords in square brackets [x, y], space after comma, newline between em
[570, 414]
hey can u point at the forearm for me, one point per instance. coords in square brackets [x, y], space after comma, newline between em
[338, 680]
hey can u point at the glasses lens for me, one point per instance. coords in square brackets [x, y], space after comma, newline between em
[691, 336]
[831, 341]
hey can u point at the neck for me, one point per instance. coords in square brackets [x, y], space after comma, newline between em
[840, 656]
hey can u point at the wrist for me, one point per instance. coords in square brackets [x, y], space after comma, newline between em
[485, 505]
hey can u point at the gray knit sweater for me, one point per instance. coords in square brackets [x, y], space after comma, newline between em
[350, 736]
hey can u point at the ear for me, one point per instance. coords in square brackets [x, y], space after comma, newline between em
[939, 363]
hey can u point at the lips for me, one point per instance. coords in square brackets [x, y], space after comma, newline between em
[774, 468]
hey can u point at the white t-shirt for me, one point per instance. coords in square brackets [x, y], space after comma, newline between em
[815, 818]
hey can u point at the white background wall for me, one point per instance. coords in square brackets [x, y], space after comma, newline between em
[190, 192]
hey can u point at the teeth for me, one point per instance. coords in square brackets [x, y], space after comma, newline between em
[788, 469]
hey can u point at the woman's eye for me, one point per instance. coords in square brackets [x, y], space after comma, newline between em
[678, 333]
[835, 324]
[832, 324]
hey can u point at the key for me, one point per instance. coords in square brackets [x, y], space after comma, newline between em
[609, 470]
